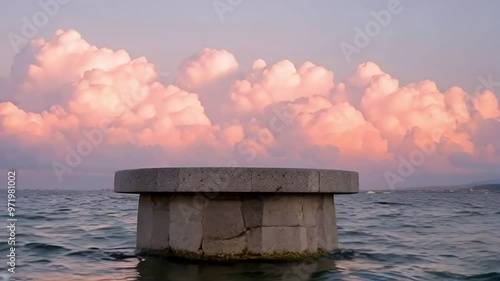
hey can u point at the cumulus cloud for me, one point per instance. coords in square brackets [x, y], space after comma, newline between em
[69, 107]
[266, 85]
[205, 67]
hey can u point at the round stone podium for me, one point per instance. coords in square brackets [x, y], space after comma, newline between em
[220, 214]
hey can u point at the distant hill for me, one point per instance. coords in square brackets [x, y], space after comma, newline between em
[491, 187]
[481, 184]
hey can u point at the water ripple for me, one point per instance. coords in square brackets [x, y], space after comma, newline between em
[74, 235]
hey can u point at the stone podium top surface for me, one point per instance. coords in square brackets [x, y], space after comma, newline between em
[236, 180]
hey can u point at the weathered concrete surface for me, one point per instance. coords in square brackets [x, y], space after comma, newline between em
[284, 226]
[236, 213]
[144, 222]
[260, 180]
[223, 219]
[185, 224]
[283, 210]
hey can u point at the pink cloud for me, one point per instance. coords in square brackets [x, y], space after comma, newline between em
[74, 94]
[204, 67]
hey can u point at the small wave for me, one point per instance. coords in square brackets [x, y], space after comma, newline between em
[44, 247]
[42, 261]
[32, 217]
[356, 233]
[96, 253]
[491, 276]
[470, 213]
[379, 257]
[394, 258]
[448, 256]
[390, 215]
[477, 242]
[410, 226]
[343, 255]
[392, 203]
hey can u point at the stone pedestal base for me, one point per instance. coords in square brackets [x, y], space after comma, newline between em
[236, 213]
[244, 226]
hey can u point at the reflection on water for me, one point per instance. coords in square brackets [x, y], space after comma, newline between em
[153, 269]
[156, 269]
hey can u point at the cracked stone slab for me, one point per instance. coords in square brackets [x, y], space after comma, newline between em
[283, 210]
[222, 219]
[284, 239]
[254, 240]
[252, 209]
[185, 231]
[310, 207]
[229, 246]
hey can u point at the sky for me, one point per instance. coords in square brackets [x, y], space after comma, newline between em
[405, 92]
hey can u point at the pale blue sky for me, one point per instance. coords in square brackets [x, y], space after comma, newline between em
[451, 42]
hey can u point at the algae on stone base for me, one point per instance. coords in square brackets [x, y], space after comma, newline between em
[285, 256]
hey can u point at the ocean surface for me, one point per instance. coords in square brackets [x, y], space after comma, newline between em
[90, 235]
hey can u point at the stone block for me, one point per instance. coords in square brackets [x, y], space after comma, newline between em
[254, 240]
[236, 179]
[222, 219]
[284, 180]
[214, 180]
[149, 180]
[161, 201]
[252, 209]
[236, 213]
[187, 207]
[331, 181]
[144, 222]
[186, 237]
[167, 180]
[312, 203]
[283, 210]
[185, 230]
[327, 228]
[232, 246]
[161, 224]
[312, 239]
[130, 180]
[331, 221]
[277, 239]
